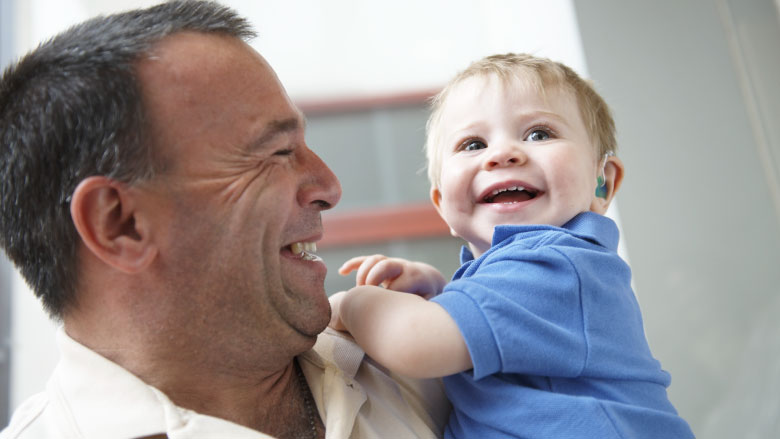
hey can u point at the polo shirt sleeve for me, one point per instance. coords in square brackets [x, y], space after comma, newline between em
[520, 311]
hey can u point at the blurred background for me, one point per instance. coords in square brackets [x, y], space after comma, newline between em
[695, 91]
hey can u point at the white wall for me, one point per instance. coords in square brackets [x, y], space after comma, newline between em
[322, 49]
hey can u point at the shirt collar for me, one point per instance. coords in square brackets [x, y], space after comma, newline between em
[336, 349]
[595, 228]
[331, 369]
[590, 226]
[465, 255]
[100, 398]
[93, 390]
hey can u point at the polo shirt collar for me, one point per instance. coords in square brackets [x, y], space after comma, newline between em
[590, 226]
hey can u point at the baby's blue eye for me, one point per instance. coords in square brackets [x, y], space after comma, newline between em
[538, 135]
[474, 145]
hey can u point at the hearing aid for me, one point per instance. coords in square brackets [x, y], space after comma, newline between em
[601, 180]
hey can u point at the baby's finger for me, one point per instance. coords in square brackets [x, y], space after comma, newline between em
[351, 265]
[384, 271]
[365, 267]
[407, 284]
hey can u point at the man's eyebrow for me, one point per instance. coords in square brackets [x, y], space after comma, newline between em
[274, 129]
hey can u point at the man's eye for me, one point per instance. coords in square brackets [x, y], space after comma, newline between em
[284, 152]
[473, 145]
[538, 135]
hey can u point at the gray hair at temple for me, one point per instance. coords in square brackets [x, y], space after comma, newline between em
[71, 109]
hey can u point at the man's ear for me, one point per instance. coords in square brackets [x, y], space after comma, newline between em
[613, 175]
[436, 200]
[105, 213]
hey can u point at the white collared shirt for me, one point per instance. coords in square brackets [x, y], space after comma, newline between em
[89, 396]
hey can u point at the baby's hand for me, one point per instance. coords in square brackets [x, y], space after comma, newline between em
[335, 311]
[396, 274]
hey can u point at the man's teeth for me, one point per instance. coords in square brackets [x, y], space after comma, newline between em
[511, 188]
[300, 247]
[305, 250]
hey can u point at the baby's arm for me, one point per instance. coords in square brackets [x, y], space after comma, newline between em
[404, 332]
[396, 274]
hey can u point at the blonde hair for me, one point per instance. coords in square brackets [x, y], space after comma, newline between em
[539, 73]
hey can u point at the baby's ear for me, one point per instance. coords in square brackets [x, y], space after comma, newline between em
[436, 200]
[613, 178]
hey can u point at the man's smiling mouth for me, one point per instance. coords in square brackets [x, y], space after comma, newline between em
[509, 195]
[305, 251]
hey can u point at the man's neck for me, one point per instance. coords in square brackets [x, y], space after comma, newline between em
[268, 396]
[273, 402]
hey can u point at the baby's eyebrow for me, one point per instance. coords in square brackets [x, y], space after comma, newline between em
[544, 114]
[274, 129]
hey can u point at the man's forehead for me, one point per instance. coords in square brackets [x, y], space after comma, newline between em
[191, 68]
[201, 87]
[192, 57]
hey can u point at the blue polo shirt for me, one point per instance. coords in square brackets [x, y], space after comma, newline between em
[556, 338]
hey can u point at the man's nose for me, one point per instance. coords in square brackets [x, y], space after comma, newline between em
[322, 188]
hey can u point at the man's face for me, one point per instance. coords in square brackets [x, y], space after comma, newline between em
[239, 188]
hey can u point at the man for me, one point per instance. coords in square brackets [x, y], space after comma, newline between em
[159, 197]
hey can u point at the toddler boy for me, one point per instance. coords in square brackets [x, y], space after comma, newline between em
[538, 335]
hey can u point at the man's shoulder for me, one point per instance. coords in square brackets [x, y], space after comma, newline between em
[26, 421]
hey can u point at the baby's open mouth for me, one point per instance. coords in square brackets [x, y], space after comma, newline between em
[509, 195]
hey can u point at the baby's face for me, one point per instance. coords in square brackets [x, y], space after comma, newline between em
[511, 156]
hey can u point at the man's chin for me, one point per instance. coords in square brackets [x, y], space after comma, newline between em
[316, 322]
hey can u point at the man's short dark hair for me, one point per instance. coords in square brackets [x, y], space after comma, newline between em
[71, 109]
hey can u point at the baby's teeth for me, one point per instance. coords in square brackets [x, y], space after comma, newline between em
[511, 188]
